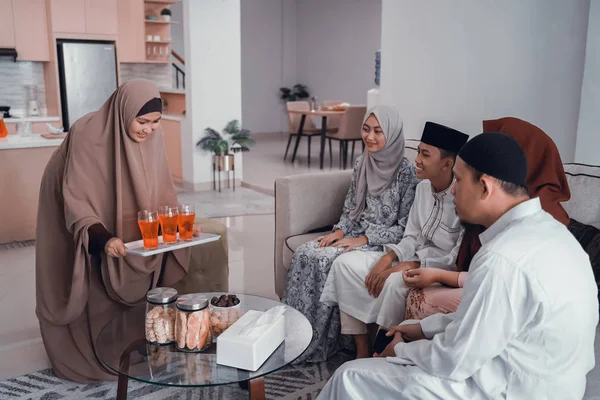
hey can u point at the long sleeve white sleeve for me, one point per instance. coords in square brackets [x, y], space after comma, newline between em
[480, 329]
[406, 249]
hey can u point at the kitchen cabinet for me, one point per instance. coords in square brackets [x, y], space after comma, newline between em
[101, 16]
[93, 17]
[7, 26]
[131, 41]
[31, 30]
[68, 16]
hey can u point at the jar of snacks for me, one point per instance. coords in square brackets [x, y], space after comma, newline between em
[160, 315]
[225, 310]
[192, 325]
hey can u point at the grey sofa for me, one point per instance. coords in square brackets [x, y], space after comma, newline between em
[304, 203]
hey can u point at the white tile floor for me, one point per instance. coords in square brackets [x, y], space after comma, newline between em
[250, 257]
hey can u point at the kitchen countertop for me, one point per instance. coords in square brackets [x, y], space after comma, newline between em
[33, 141]
[32, 119]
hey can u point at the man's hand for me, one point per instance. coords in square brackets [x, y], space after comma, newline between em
[409, 332]
[115, 248]
[389, 349]
[383, 264]
[421, 277]
[351, 243]
[333, 237]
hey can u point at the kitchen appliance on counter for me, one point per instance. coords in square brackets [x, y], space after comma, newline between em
[87, 75]
[5, 112]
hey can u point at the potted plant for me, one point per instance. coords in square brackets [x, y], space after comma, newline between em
[165, 14]
[222, 148]
[298, 92]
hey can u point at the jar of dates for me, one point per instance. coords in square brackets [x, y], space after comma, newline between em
[160, 315]
[192, 326]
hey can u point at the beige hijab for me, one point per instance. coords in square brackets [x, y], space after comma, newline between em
[102, 176]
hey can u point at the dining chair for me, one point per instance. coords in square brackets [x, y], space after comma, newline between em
[333, 122]
[350, 130]
[309, 130]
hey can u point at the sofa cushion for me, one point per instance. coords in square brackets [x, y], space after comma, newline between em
[293, 242]
[584, 183]
[589, 238]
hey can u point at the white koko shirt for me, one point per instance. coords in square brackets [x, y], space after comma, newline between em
[526, 325]
[433, 231]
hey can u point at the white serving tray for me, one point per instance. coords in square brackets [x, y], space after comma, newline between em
[137, 247]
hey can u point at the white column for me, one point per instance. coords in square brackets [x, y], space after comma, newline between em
[588, 132]
[212, 41]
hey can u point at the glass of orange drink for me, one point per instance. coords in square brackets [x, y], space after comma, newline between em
[148, 223]
[185, 221]
[168, 222]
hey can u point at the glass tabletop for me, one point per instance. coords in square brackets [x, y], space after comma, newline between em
[122, 347]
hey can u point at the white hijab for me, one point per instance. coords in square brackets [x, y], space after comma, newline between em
[376, 171]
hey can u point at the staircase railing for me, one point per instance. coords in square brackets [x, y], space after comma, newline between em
[179, 73]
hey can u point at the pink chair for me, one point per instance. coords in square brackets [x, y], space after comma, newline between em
[333, 123]
[309, 130]
[350, 130]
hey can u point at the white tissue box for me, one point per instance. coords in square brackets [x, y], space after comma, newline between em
[249, 353]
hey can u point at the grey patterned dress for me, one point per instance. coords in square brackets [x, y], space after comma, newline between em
[383, 221]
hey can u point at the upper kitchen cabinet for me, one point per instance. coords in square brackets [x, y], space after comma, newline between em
[31, 30]
[7, 26]
[130, 18]
[92, 17]
[68, 16]
[101, 16]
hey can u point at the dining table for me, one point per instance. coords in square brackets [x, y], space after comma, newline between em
[324, 114]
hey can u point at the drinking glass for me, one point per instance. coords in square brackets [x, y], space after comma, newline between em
[185, 221]
[168, 221]
[148, 223]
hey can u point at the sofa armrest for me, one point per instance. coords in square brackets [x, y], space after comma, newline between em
[303, 203]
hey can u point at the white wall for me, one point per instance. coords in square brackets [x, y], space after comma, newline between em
[268, 62]
[212, 37]
[336, 45]
[464, 61]
[328, 45]
[588, 131]
[177, 29]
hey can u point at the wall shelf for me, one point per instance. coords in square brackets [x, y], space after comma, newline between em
[158, 41]
[151, 21]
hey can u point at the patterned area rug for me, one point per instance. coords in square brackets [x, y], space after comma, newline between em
[301, 382]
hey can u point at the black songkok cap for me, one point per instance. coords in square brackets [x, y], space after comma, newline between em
[154, 105]
[497, 155]
[443, 137]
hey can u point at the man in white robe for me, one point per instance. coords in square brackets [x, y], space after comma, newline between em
[369, 287]
[525, 328]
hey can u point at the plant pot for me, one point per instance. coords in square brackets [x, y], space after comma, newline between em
[166, 18]
[223, 163]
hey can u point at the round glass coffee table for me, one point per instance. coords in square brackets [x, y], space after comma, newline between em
[122, 348]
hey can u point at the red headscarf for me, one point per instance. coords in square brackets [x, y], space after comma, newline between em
[546, 178]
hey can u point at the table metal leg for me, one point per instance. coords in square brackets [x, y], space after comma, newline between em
[257, 389]
[323, 135]
[233, 179]
[298, 136]
[123, 380]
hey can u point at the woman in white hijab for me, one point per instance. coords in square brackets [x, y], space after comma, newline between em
[375, 213]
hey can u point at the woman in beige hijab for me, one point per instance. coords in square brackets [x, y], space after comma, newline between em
[111, 165]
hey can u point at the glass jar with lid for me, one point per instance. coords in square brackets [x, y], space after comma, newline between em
[192, 326]
[160, 315]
